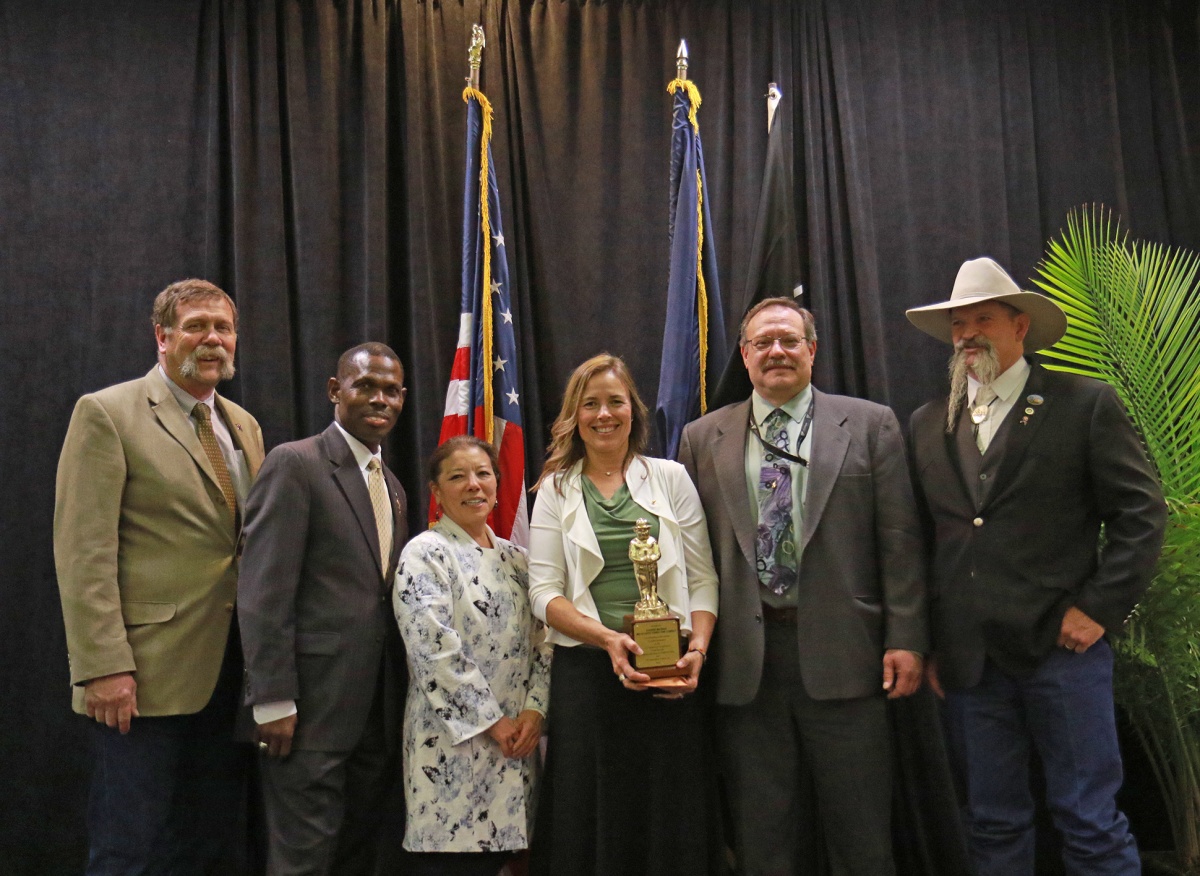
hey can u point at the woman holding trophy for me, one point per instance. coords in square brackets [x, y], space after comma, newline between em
[621, 571]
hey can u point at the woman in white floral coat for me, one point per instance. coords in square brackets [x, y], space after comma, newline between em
[479, 677]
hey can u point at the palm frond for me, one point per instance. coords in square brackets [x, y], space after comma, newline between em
[1133, 311]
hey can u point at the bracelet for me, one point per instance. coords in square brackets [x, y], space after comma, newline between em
[703, 654]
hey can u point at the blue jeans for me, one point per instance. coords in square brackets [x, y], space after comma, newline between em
[1065, 710]
[168, 797]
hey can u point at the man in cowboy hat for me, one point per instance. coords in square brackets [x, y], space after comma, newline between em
[1015, 473]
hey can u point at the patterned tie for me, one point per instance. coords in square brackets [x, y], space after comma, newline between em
[208, 440]
[382, 507]
[775, 545]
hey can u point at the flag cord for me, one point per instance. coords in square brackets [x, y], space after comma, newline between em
[701, 295]
[485, 226]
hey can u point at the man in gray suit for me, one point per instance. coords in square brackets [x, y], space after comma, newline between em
[815, 536]
[325, 523]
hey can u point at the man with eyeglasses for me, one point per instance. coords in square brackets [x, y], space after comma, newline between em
[152, 483]
[815, 535]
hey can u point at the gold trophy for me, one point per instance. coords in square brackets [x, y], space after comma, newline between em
[652, 625]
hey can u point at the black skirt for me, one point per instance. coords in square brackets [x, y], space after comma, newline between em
[630, 780]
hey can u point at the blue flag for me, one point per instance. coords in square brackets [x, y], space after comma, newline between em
[693, 351]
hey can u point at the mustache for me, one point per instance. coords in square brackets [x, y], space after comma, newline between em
[985, 369]
[190, 367]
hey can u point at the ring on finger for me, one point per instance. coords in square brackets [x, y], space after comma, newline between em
[262, 746]
[620, 676]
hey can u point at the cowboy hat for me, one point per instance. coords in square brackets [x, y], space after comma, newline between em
[983, 280]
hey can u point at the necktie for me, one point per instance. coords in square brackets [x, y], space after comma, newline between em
[382, 507]
[208, 440]
[775, 544]
[984, 396]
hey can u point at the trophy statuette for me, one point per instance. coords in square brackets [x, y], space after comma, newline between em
[652, 625]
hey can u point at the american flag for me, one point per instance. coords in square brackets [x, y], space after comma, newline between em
[483, 398]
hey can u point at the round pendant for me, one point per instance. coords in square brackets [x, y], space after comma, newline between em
[979, 413]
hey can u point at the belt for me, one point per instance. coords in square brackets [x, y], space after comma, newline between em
[774, 615]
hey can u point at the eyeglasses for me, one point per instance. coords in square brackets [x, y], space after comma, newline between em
[764, 343]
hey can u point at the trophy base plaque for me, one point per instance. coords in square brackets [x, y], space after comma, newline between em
[661, 645]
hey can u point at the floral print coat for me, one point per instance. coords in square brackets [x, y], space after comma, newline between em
[475, 653]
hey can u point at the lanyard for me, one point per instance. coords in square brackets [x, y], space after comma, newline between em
[779, 451]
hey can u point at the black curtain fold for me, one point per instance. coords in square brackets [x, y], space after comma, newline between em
[307, 155]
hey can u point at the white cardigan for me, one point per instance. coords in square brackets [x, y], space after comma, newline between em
[564, 556]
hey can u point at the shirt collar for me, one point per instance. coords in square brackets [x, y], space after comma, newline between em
[793, 407]
[1006, 385]
[186, 400]
[362, 453]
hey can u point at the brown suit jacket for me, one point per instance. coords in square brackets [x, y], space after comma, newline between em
[144, 545]
[861, 584]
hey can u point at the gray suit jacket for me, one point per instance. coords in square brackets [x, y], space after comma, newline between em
[313, 603]
[861, 588]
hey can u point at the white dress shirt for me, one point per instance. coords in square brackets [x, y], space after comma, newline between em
[1008, 387]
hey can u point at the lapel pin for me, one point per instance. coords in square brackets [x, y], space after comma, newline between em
[1034, 399]
[1024, 421]
[1029, 410]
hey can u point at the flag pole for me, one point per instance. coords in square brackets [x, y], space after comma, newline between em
[475, 55]
[681, 61]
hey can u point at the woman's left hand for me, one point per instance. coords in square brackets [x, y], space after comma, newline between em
[693, 662]
[529, 732]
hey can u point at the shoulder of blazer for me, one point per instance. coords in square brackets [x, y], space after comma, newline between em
[333, 446]
[732, 416]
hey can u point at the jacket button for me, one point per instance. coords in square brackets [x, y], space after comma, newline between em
[983, 477]
[229, 607]
[758, 617]
[978, 521]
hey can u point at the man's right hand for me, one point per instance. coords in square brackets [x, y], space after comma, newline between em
[931, 676]
[112, 700]
[278, 736]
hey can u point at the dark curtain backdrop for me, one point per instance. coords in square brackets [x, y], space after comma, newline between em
[307, 157]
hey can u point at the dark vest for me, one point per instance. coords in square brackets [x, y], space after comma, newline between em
[979, 470]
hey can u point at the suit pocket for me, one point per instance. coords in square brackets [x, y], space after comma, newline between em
[137, 613]
[318, 643]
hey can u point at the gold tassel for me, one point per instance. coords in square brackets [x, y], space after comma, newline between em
[489, 424]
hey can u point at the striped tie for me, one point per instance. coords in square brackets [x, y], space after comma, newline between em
[208, 440]
[382, 507]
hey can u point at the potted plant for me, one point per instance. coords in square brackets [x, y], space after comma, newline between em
[1133, 311]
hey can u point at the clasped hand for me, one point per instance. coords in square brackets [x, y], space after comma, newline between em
[520, 737]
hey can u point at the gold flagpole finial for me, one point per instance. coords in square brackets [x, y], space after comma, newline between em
[681, 60]
[475, 55]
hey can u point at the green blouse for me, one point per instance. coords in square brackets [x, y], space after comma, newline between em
[615, 589]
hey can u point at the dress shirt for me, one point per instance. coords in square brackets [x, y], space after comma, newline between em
[795, 408]
[1008, 387]
[264, 713]
[235, 460]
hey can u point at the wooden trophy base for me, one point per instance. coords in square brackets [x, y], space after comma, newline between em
[661, 645]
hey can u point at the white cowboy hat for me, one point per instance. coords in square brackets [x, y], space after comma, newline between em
[983, 280]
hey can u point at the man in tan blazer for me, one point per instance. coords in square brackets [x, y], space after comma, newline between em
[147, 522]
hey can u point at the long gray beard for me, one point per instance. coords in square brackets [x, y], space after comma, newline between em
[190, 368]
[987, 369]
